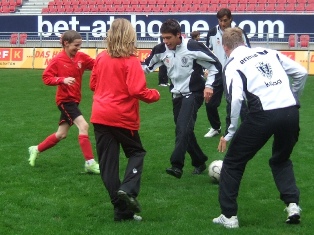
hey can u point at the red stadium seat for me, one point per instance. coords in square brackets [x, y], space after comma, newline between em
[5, 3]
[161, 2]
[85, 8]
[260, 8]
[195, 8]
[241, 7]
[250, 7]
[196, 2]
[13, 38]
[304, 40]
[213, 8]
[45, 10]
[11, 2]
[290, 7]
[94, 8]
[68, 8]
[232, 7]
[300, 7]
[23, 38]
[293, 40]
[92, 2]
[102, 8]
[281, 7]
[310, 7]
[5, 9]
[60, 8]
[138, 8]
[184, 8]
[117, 2]
[270, 7]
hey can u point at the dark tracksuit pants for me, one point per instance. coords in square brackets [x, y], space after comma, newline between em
[108, 140]
[251, 136]
[185, 112]
[162, 75]
[212, 109]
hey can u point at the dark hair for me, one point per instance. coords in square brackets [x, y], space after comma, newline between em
[224, 12]
[170, 26]
[70, 36]
[194, 34]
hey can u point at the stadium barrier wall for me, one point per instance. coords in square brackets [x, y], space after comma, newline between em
[38, 58]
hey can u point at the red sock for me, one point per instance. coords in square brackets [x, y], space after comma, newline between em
[86, 147]
[49, 142]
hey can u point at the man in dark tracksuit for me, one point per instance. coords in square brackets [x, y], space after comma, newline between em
[260, 76]
[185, 60]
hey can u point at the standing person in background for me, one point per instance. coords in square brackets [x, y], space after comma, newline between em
[65, 71]
[162, 73]
[118, 82]
[196, 35]
[260, 76]
[213, 42]
[185, 60]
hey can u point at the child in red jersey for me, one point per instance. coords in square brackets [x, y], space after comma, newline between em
[118, 82]
[65, 71]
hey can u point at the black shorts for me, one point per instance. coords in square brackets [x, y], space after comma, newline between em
[69, 111]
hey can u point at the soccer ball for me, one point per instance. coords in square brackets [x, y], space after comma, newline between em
[214, 170]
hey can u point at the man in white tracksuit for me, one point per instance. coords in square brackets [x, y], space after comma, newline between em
[185, 60]
[213, 42]
[260, 76]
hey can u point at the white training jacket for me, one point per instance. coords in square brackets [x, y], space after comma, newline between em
[185, 66]
[260, 76]
[214, 42]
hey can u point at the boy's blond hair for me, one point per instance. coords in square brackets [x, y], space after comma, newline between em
[232, 38]
[121, 39]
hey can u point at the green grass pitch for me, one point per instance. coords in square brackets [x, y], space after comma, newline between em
[54, 197]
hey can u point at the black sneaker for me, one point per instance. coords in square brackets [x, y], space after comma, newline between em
[174, 171]
[131, 202]
[199, 170]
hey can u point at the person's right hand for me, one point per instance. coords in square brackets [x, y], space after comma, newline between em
[69, 81]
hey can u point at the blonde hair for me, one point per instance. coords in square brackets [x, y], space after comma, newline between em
[232, 38]
[121, 39]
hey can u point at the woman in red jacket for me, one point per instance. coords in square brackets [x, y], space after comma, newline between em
[118, 82]
[65, 71]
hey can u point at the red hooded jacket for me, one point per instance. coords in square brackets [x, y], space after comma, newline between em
[62, 66]
[118, 85]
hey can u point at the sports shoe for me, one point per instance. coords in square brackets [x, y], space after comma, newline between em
[162, 84]
[228, 223]
[131, 202]
[134, 218]
[92, 168]
[199, 170]
[174, 171]
[33, 154]
[212, 132]
[293, 211]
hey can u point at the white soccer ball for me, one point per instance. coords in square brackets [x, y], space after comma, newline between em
[214, 170]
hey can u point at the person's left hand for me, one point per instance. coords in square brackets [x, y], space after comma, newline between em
[208, 93]
[222, 146]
